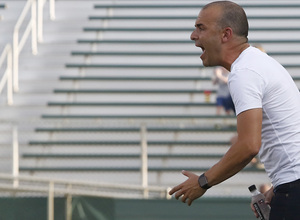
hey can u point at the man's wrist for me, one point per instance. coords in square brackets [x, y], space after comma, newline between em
[203, 183]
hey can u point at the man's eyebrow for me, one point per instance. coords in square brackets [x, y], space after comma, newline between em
[198, 25]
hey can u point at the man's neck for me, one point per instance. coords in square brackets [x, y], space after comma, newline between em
[232, 54]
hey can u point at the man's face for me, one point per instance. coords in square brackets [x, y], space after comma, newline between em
[207, 35]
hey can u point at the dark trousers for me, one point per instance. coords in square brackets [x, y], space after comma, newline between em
[285, 205]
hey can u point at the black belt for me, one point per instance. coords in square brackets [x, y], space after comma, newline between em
[286, 186]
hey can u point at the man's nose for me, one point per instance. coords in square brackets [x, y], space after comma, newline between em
[192, 37]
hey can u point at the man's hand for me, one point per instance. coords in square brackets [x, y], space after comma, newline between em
[189, 189]
[269, 195]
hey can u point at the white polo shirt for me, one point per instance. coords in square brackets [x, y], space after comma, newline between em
[258, 81]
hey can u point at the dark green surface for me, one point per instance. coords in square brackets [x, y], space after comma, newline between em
[134, 91]
[129, 116]
[202, 209]
[151, 66]
[129, 142]
[135, 78]
[130, 53]
[119, 41]
[128, 17]
[137, 129]
[93, 208]
[124, 169]
[135, 104]
[155, 6]
[179, 29]
[139, 78]
[32, 208]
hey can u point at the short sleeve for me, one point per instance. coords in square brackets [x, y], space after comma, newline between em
[246, 88]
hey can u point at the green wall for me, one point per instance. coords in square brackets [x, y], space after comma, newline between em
[92, 208]
[29, 208]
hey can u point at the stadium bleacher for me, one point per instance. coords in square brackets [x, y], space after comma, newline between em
[134, 65]
[112, 76]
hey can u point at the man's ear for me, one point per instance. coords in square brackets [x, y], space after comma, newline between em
[227, 34]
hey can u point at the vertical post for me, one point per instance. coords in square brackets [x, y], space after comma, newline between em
[16, 60]
[51, 201]
[110, 12]
[52, 9]
[33, 28]
[40, 15]
[69, 204]
[69, 207]
[144, 160]
[15, 156]
[9, 77]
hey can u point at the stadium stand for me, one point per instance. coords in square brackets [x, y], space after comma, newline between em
[118, 67]
[189, 5]
[110, 78]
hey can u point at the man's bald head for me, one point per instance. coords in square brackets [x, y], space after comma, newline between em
[232, 16]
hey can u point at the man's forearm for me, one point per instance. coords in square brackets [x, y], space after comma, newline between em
[233, 161]
[249, 125]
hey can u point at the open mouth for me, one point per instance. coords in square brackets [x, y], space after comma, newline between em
[203, 52]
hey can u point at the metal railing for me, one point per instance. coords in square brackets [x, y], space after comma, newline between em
[14, 183]
[33, 27]
[7, 76]
[19, 42]
[68, 188]
[40, 17]
[143, 157]
[50, 186]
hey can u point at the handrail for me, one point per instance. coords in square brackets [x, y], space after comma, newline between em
[7, 76]
[35, 27]
[18, 45]
[84, 188]
[50, 186]
[40, 16]
[68, 188]
[52, 9]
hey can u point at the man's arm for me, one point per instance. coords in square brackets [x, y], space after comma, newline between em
[249, 125]
[241, 153]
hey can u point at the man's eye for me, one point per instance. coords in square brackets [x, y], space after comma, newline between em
[200, 27]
